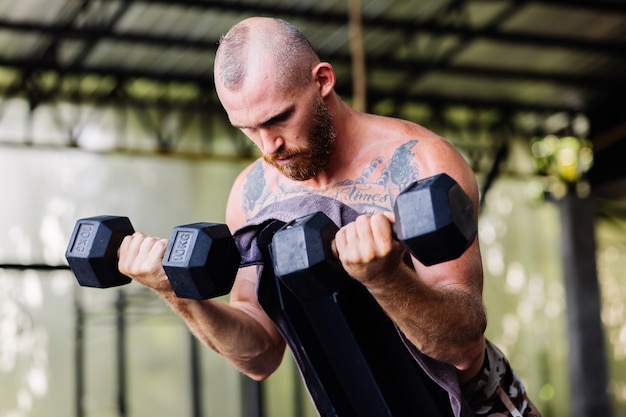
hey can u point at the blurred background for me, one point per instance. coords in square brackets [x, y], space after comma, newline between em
[108, 107]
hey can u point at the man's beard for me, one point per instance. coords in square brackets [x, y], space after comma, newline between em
[312, 159]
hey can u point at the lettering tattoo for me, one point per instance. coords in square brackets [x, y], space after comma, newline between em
[373, 191]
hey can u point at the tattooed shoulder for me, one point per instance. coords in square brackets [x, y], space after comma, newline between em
[264, 186]
[401, 168]
[254, 188]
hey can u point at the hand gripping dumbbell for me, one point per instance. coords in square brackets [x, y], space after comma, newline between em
[434, 219]
[201, 259]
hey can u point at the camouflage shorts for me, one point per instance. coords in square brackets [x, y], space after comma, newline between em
[496, 391]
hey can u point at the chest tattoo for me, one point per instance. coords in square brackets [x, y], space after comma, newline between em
[373, 191]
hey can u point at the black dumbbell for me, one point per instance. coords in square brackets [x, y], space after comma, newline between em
[302, 258]
[92, 250]
[434, 219]
[201, 259]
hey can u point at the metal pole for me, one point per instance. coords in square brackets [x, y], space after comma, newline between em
[120, 307]
[79, 355]
[587, 361]
[196, 377]
[251, 397]
[298, 403]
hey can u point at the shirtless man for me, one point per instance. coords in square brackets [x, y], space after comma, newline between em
[276, 90]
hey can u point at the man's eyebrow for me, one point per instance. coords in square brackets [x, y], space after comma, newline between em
[280, 117]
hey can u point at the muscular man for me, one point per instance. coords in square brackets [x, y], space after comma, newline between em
[276, 90]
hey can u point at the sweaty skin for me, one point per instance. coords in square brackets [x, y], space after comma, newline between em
[372, 158]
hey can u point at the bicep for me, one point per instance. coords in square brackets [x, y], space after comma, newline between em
[464, 272]
[243, 296]
[442, 157]
[235, 215]
[243, 291]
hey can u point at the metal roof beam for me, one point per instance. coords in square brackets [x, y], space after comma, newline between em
[374, 96]
[416, 65]
[405, 25]
[435, 27]
[610, 6]
[592, 82]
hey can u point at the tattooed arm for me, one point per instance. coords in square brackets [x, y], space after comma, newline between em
[439, 308]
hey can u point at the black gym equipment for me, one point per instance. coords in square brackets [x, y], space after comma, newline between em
[350, 353]
[358, 359]
[201, 260]
[289, 316]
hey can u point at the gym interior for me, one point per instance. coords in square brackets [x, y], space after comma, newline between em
[107, 107]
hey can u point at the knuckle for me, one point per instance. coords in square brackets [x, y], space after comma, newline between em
[363, 220]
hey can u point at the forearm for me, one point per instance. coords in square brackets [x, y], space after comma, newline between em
[233, 333]
[444, 323]
[240, 331]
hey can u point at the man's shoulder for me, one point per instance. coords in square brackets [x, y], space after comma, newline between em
[398, 129]
[397, 154]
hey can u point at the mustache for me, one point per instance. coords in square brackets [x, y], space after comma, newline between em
[282, 154]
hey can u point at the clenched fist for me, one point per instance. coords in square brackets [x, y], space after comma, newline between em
[367, 248]
[141, 258]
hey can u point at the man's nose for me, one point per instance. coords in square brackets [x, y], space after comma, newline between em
[270, 141]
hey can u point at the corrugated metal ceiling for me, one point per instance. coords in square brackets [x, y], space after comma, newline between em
[542, 55]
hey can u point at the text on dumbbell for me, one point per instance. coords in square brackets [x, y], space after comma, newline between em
[181, 247]
[84, 235]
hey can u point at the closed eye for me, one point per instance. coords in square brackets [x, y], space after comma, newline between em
[279, 118]
[273, 121]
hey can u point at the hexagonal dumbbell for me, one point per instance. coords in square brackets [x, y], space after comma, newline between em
[201, 260]
[302, 257]
[435, 219]
[92, 250]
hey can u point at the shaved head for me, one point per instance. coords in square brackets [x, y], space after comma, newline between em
[270, 41]
[273, 87]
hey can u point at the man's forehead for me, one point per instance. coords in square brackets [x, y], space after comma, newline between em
[260, 97]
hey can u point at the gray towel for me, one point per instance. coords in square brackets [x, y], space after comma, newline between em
[443, 374]
[286, 211]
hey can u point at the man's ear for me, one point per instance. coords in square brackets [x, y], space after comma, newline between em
[324, 75]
